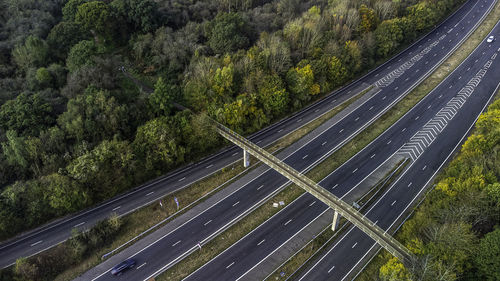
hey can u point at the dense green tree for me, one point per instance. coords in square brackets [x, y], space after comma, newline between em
[71, 8]
[202, 134]
[28, 114]
[95, 17]
[139, 14]
[81, 54]
[33, 53]
[43, 77]
[162, 99]
[104, 170]
[64, 194]
[388, 36]
[63, 36]
[242, 115]
[228, 32]
[14, 150]
[422, 15]
[156, 144]
[301, 84]
[487, 258]
[352, 57]
[58, 75]
[223, 82]
[273, 96]
[94, 116]
[369, 19]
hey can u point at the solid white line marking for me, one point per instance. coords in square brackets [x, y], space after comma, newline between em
[323, 143]
[354, 170]
[331, 269]
[150, 193]
[36, 243]
[209, 166]
[141, 265]
[288, 222]
[393, 203]
[205, 224]
[410, 184]
[310, 205]
[354, 245]
[371, 157]
[182, 179]
[173, 245]
[229, 265]
[260, 187]
[258, 244]
[117, 208]
[236, 203]
[305, 156]
[79, 224]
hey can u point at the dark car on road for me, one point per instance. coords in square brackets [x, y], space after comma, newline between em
[119, 268]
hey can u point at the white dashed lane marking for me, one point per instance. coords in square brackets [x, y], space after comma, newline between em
[36, 243]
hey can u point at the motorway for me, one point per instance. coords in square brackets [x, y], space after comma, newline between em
[389, 209]
[394, 80]
[427, 134]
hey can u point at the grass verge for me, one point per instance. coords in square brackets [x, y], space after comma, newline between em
[261, 214]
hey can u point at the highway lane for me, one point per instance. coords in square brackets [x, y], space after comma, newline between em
[264, 240]
[343, 258]
[53, 233]
[202, 227]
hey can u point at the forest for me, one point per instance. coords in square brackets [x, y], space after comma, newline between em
[455, 233]
[75, 130]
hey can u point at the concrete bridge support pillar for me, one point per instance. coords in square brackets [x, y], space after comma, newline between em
[246, 158]
[336, 219]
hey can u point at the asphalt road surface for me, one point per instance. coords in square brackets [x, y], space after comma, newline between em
[402, 74]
